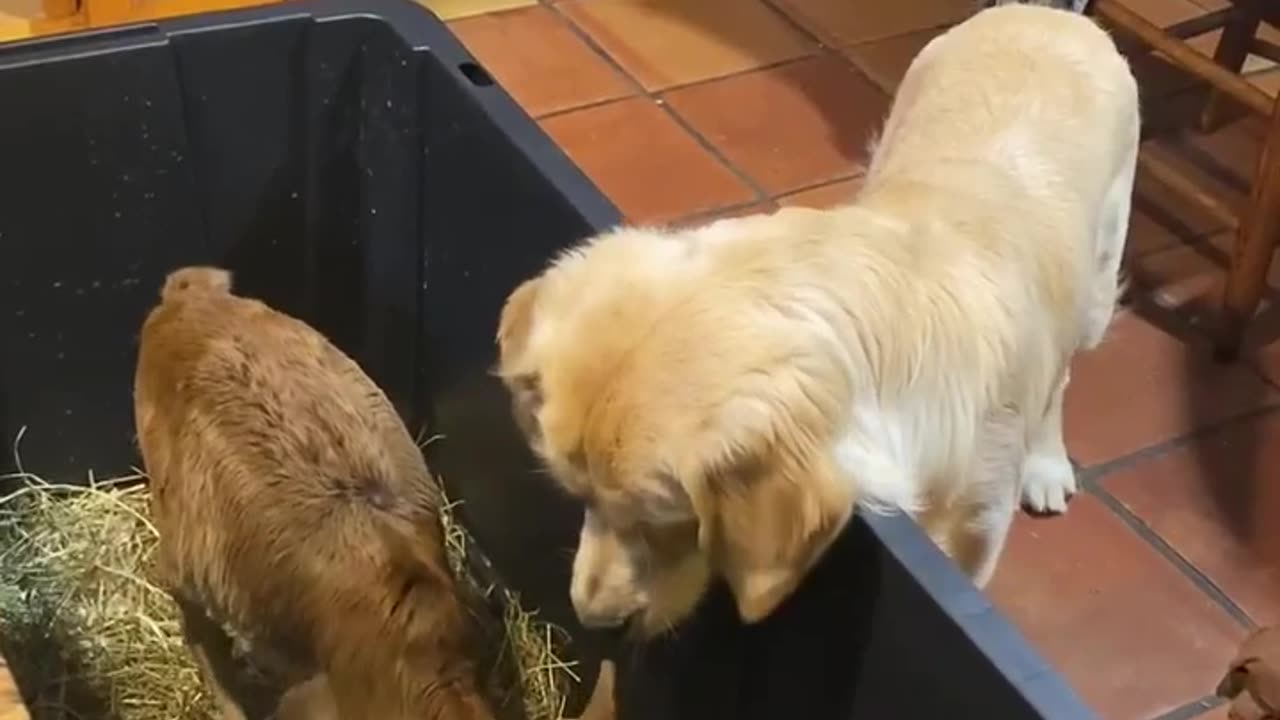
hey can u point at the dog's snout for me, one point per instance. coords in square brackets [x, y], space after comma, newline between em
[600, 604]
[606, 588]
[600, 620]
[595, 611]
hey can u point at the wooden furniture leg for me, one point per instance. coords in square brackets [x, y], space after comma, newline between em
[1257, 237]
[1232, 52]
[11, 705]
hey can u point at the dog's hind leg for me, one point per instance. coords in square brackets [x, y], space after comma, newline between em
[1110, 238]
[992, 496]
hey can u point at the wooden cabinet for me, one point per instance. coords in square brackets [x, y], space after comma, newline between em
[27, 18]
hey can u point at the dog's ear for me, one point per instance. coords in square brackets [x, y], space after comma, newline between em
[516, 321]
[774, 518]
[514, 326]
[770, 505]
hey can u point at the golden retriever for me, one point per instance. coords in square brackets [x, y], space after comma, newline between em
[722, 398]
[294, 507]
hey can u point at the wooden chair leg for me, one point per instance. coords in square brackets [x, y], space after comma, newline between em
[1255, 244]
[1232, 52]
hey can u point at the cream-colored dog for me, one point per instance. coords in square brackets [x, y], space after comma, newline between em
[722, 398]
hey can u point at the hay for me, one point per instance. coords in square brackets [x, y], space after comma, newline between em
[88, 636]
[528, 645]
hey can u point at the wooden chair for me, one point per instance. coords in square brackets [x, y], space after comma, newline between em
[1258, 224]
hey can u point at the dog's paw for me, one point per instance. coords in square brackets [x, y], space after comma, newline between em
[1047, 484]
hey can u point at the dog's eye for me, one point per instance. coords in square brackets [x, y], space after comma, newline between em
[671, 540]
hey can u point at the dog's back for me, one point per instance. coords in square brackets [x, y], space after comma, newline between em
[1006, 168]
[1009, 80]
[290, 499]
[1020, 127]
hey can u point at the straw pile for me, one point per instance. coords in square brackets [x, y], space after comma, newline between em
[88, 635]
[526, 647]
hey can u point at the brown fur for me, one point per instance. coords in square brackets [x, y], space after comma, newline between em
[294, 507]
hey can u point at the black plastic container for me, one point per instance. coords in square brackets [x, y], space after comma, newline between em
[355, 167]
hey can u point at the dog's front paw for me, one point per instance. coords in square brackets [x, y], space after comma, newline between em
[1048, 482]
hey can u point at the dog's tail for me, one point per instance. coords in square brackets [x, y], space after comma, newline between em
[196, 279]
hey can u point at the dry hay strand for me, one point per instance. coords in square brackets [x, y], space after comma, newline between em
[89, 636]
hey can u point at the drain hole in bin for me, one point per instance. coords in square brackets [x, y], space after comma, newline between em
[476, 74]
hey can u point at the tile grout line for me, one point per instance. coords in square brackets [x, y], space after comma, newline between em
[774, 65]
[1095, 473]
[1192, 710]
[593, 104]
[844, 177]
[941, 26]
[1152, 539]
[657, 97]
[888, 87]
[1091, 477]
[639, 90]
[791, 22]
[1091, 482]
[841, 51]
[795, 24]
[823, 49]
[703, 216]
[762, 195]
[750, 183]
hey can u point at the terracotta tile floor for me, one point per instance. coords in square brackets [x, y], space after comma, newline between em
[686, 110]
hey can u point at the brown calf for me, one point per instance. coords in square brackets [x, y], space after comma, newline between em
[295, 509]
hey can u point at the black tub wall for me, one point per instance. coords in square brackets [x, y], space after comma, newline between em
[216, 147]
[875, 633]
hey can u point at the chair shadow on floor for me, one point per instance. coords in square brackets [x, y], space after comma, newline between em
[1232, 467]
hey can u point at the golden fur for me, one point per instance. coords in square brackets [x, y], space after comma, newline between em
[721, 398]
[294, 507]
